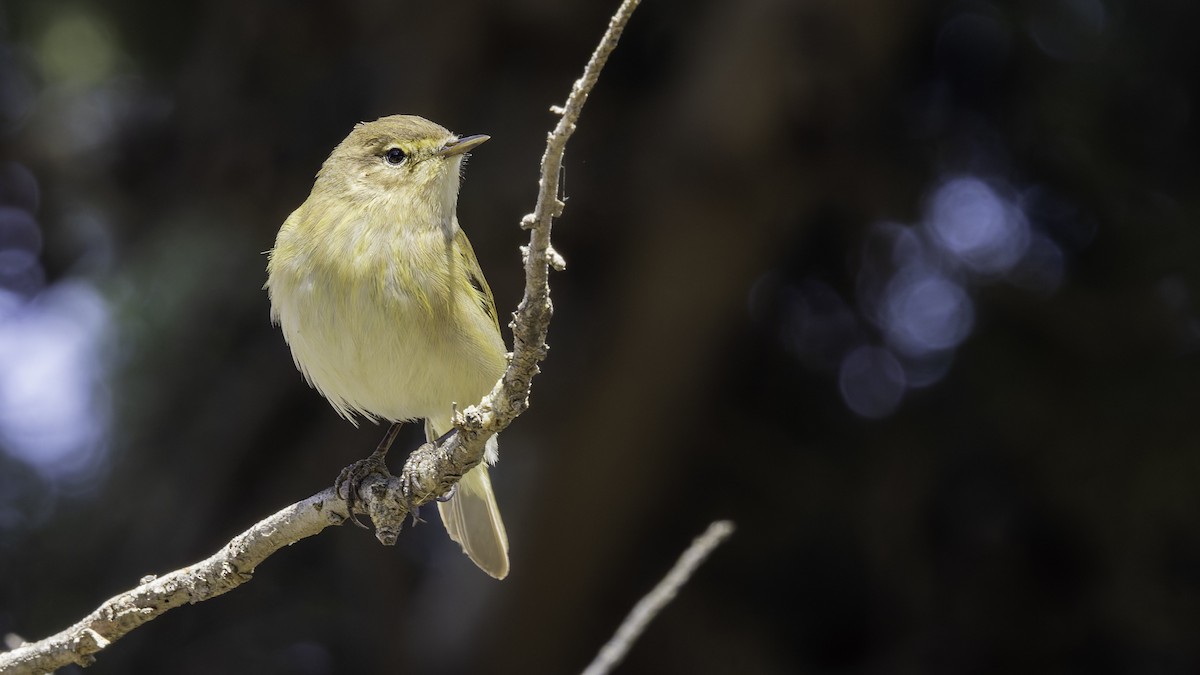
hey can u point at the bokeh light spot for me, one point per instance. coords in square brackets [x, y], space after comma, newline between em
[18, 230]
[976, 226]
[926, 313]
[1043, 267]
[872, 382]
[54, 411]
[817, 324]
[77, 47]
[20, 244]
[18, 187]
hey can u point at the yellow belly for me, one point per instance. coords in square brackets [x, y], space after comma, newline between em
[384, 352]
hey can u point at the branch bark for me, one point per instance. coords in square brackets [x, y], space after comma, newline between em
[429, 471]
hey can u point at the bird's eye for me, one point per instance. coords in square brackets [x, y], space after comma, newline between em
[394, 156]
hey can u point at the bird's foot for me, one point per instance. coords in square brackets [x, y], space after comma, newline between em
[352, 476]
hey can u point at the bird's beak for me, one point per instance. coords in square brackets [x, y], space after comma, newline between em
[461, 145]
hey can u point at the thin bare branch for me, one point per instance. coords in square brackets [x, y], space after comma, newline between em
[510, 397]
[649, 606]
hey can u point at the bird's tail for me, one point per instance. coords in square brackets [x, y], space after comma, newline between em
[473, 520]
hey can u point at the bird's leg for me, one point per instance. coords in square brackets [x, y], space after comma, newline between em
[354, 474]
[453, 488]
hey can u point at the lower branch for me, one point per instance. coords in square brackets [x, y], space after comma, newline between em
[387, 500]
[648, 607]
[221, 572]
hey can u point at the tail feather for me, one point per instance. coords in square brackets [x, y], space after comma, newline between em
[471, 516]
[473, 520]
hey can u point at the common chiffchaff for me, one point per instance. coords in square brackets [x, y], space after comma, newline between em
[380, 297]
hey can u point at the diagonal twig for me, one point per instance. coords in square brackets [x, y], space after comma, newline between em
[649, 606]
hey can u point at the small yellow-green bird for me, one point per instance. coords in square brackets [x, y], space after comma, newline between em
[380, 298]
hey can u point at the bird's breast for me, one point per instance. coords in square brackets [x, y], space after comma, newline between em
[371, 321]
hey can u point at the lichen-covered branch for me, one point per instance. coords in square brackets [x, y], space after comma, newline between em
[387, 500]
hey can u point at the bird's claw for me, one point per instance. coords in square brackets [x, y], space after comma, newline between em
[449, 494]
[346, 485]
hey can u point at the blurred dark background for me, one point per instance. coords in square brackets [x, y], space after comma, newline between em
[906, 289]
